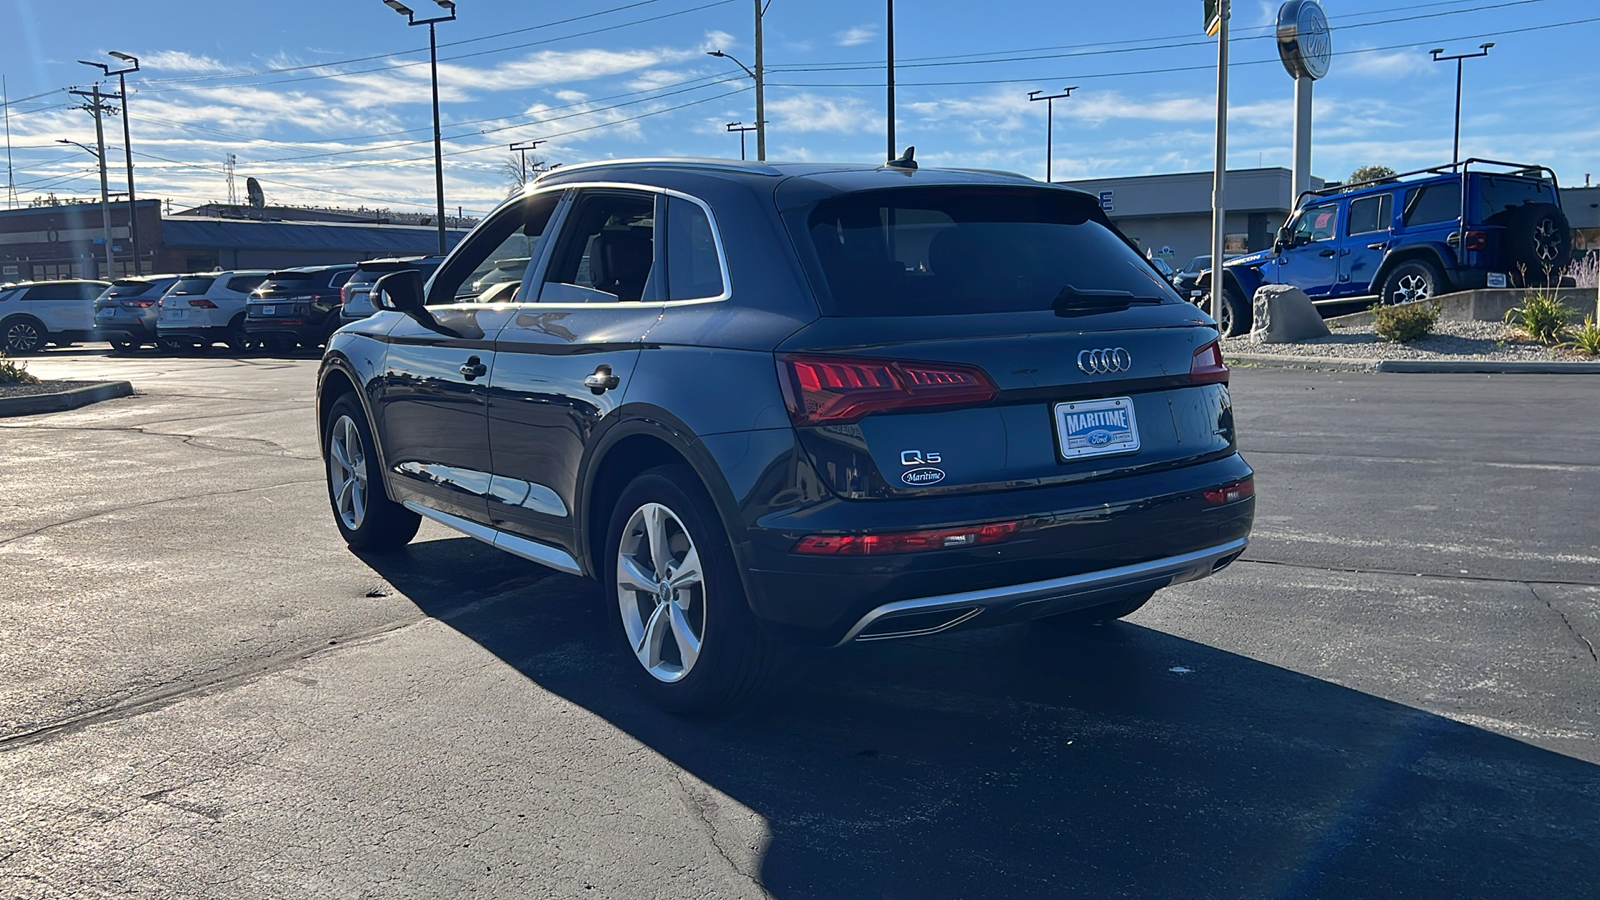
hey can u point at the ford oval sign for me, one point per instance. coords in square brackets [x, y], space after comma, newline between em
[923, 477]
[1304, 42]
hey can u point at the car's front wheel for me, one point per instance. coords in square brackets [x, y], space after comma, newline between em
[23, 335]
[367, 518]
[680, 608]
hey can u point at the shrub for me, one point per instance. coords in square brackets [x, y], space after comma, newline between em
[1406, 321]
[1542, 315]
[1585, 339]
[13, 372]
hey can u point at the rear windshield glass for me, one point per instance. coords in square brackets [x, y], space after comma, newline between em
[949, 251]
[192, 286]
[281, 281]
[370, 272]
[1497, 196]
[132, 289]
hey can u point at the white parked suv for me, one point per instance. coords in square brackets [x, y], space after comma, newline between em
[33, 314]
[204, 308]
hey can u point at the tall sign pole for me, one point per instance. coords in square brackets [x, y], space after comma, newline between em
[890, 78]
[1217, 12]
[1306, 48]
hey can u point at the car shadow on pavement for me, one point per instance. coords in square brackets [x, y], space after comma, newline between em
[1120, 761]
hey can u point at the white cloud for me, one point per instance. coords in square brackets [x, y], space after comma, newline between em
[809, 112]
[1363, 63]
[181, 61]
[860, 34]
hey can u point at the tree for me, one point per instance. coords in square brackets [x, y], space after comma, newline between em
[1371, 173]
[511, 168]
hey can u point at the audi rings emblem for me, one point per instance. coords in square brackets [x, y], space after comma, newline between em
[1105, 362]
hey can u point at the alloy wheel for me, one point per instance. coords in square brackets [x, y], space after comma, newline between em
[347, 472]
[22, 337]
[1547, 240]
[661, 592]
[1410, 288]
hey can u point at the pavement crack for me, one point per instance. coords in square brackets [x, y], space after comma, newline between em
[132, 506]
[1567, 622]
[704, 809]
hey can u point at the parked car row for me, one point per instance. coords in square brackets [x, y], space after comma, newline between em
[242, 308]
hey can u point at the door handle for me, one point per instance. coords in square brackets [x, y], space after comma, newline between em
[601, 381]
[1324, 252]
[473, 368]
[1378, 246]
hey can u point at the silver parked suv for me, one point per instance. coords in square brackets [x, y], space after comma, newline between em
[203, 309]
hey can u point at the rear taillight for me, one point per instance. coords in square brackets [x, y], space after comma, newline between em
[202, 303]
[906, 541]
[1207, 366]
[1477, 240]
[138, 304]
[344, 295]
[837, 390]
[1232, 493]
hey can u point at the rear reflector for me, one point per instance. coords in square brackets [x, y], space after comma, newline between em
[202, 303]
[838, 389]
[1207, 366]
[1232, 493]
[1477, 240]
[906, 541]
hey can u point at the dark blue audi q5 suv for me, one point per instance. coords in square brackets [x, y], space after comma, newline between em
[778, 405]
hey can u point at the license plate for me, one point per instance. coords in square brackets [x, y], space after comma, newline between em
[1096, 427]
[173, 313]
[269, 310]
[104, 313]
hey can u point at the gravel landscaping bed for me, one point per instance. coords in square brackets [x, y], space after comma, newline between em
[1449, 341]
[43, 387]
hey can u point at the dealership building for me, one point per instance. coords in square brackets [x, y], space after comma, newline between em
[1170, 215]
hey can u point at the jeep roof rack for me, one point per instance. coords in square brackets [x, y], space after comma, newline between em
[1521, 170]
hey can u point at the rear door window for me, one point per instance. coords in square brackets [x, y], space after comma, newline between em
[607, 251]
[960, 250]
[1369, 214]
[1432, 203]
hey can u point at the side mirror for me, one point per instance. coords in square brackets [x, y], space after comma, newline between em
[400, 291]
[1285, 239]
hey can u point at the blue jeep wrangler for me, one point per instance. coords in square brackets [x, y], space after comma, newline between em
[1475, 224]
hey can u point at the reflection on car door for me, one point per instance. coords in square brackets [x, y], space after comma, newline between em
[565, 361]
[1312, 263]
[433, 396]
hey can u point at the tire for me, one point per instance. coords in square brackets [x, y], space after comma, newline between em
[23, 335]
[1410, 281]
[696, 648]
[367, 519]
[1235, 314]
[1539, 242]
[1096, 615]
[171, 345]
[123, 347]
[236, 339]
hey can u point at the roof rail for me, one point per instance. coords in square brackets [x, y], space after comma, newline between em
[665, 162]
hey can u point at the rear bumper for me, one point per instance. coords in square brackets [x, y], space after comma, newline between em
[133, 331]
[206, 333]
[305, 331]
[1019, 602]
[1078, 545]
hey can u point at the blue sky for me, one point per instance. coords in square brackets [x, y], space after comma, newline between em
[327, 102]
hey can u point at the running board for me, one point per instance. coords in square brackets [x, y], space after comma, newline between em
[1368, 299]
[533, 551]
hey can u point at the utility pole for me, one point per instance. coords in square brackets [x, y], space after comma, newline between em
[127, 145]
[1050, 126]
[11, 178]
[890, 80]
[761, 91]
[1483, 50]
[742, 128]
[523, 147]
[1219, 179]
[105, 190]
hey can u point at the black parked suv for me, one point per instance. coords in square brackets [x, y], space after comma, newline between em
[769, 405]
[296, 307]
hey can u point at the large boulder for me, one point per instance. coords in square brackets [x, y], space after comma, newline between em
[1285, 315]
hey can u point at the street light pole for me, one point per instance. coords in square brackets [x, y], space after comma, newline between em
[1483, 50]
[433, 61]
[1050, 123]
[524, 147]
[890, 78]
[760, 127]
[127, 145]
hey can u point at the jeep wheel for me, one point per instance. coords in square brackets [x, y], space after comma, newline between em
[1539, 242]
[1412, 280]
[1235, 316]
[679, 607]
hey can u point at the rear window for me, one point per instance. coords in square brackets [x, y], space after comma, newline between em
[131, 289]
[244, 284]
[372, 271]
[952, 251]
[192, 286]
[1432, 203]
[286, 281]
[1498, 195]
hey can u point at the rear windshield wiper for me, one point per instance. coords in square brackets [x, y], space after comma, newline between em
[1076, 298]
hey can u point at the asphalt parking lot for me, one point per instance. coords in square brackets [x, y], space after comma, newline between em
[1392, 694]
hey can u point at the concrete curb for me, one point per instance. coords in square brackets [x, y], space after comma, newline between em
[71, 398]
[1412, 366]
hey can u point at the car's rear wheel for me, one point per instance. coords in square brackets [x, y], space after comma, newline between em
[367, 518]
[1412, 280]
[1095, 615]
[123, 346]
[172, 345]
[236, 339]
[680, 608]
[23, 335]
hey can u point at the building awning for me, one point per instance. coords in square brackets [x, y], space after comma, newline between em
[369, 241]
